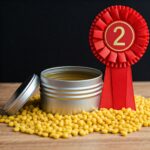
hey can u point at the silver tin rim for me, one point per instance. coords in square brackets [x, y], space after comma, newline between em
[70, 83]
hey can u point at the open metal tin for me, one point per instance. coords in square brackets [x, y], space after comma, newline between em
[63, 92]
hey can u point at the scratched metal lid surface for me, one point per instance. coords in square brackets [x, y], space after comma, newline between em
[21, 95]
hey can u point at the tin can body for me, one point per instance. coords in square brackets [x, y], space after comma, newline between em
[70, 94]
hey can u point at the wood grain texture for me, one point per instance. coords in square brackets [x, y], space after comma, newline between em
[96, 141]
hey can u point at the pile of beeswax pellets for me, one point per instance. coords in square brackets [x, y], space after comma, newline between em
[32, 120]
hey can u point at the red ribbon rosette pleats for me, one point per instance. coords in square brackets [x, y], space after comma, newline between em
[118, 37]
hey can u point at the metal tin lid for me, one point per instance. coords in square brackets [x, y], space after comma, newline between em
[21, 95]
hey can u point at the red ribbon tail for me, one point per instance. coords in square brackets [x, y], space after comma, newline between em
[117, 91]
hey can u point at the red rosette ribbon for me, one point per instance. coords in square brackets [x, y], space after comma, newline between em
[118, 37]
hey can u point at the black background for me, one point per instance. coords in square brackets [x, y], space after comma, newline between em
[36, 35]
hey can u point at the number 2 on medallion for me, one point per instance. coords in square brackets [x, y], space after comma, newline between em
[116, 42]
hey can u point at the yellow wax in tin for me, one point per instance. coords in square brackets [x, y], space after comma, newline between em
[71, 75]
